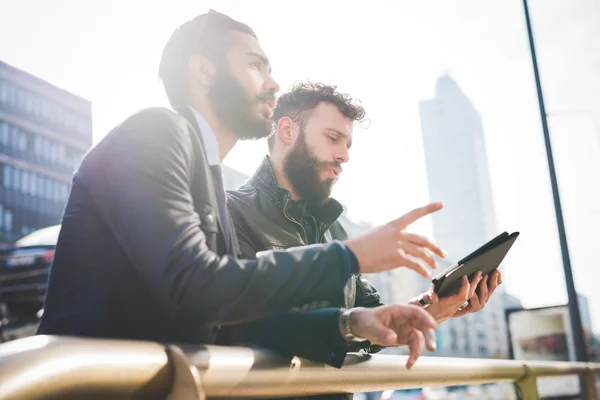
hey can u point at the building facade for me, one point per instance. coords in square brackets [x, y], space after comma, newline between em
[44, 133]
[458, 175]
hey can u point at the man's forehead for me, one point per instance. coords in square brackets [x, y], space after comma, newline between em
[331, 114]
[248, 44]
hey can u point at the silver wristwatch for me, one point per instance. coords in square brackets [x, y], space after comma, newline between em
[348, 335]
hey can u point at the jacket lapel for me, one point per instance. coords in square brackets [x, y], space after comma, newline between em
[216, 183]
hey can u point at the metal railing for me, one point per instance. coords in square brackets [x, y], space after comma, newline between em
[43, 367]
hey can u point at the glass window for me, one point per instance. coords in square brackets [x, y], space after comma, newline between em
[33, 184]
[23, 141]
[16, 179]
[7, 176]
[56, 191]
[3, 92]
[12, 95]
[44, 110]
[54, 113]
[4, 133]
[14, 137]
[8, 220]
[41, 189]
[65, 191]
[37, 106]
[28, 98]
[1, 214]
[61, 154]
[20, 99]
[53, 153]
[25, 182]
[48, 188]
[47, 148]
[37, 145]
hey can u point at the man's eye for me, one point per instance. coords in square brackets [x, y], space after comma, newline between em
[333, 138]
[255, 65]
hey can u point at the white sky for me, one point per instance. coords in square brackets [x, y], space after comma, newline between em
[389, 55]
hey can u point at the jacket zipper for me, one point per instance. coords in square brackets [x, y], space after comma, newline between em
[285, 207]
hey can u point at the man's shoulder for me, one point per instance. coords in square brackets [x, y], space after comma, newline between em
[156, 118]
[243, 196]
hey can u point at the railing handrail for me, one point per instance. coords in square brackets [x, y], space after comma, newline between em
[49, 366]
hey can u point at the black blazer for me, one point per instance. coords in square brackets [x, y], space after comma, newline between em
[141, 254]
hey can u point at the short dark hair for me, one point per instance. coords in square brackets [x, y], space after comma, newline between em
[207, 34]
[303, 99]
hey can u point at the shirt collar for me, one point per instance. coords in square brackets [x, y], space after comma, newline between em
[211, 146]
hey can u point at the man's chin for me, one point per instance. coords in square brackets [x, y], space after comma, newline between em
[257, 129]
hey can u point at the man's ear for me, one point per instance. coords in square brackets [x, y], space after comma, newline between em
[202, 70]
[285, 131]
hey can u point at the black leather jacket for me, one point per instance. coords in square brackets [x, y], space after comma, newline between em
[263, 220]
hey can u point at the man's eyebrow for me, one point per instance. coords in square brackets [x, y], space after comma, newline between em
[262, 59]
[341, 134]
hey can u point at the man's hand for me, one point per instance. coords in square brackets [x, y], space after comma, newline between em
[476, 293]
[396, 325]
[391, 246]
[482, 294]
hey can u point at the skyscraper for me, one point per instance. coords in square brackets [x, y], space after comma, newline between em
[44, 133]
[458, 175]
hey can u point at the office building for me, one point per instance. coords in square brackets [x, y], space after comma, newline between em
[458, 175]
[44, 133]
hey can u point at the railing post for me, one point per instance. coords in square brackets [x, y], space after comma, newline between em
[527, 386]
[589, 381]
[187, 384]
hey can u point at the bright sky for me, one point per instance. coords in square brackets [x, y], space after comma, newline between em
[388, 54]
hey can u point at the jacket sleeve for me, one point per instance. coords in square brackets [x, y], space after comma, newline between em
[366, 295]
[140, 181]
[310, 334]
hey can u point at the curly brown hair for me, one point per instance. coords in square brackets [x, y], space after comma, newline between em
[299, 104]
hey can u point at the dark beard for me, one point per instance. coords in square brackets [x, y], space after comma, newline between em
[303, 168]
[233, 107]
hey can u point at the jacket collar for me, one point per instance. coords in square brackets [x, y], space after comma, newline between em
[264, 181]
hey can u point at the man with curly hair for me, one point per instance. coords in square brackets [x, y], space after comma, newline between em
[287, 204]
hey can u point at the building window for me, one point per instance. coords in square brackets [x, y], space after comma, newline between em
[14, 137]
[28, 99]
[22, 141]
[33, 184]
[3, 92]
[37, 145]
[41, 189]
[21, 99]
[7, 176]
[467, 347]
[25, 182]
[11, 95]
[60, 153]
[4, 133]
[46, 148]
[8, 221]
[65, 191]
[16, 178]
[48, 188]
[54, 153]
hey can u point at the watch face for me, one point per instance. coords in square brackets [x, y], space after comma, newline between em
[423, 303]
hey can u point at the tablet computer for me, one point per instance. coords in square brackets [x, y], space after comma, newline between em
[485, 259]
